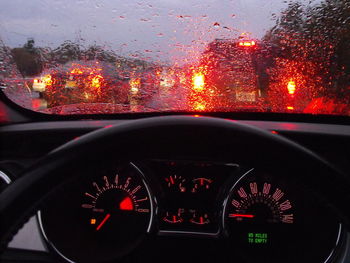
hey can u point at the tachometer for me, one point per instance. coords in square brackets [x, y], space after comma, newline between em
[101, 217]
[117, 199]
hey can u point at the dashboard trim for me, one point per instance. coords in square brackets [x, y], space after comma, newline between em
[150, 194]
[51, 245]
[5, 177]
[340, 232]
[186, 233]
[90, 125]
[229, 195]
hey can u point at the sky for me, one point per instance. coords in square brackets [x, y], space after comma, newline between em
[165, 30]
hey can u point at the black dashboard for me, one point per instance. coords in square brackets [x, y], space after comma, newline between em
[181, 209]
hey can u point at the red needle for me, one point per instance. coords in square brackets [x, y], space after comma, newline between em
[240, 215]
[103, 221]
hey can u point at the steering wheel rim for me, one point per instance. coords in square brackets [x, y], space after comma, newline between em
[169, 137]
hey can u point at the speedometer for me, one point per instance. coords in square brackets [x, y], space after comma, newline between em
[263, 203]
[274, 220]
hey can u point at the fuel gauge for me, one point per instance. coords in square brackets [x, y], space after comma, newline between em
[201, 184]
[199, 218]
[175, 217]
[176, 183]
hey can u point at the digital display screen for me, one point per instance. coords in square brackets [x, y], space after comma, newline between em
[257, 238]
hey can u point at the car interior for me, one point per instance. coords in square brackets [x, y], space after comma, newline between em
[237, 151]
[187, 174]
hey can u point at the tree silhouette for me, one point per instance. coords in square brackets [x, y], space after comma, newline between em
[317, 36]
[28, 59]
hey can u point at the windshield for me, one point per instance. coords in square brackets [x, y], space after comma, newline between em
[97, 57]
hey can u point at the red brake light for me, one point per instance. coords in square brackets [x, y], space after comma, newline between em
[247, 43]
[198, 81]
[291, 87]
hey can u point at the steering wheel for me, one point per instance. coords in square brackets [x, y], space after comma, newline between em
[169, 137]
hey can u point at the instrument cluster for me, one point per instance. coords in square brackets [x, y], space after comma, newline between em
[259, 215]
[190, 196]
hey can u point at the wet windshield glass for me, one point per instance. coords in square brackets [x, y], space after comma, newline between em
[91, 57]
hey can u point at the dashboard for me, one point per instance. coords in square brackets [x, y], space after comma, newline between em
[182, 209]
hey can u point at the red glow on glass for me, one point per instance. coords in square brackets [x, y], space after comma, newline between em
[36, 104]
[108, 126]
[274, 132]
[198, 106]
[126, 204]
[326, 105]
[4, 117]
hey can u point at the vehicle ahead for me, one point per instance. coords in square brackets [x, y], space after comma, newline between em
[39, 84]
[159, 132]
[79, 82]
[230, 68]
